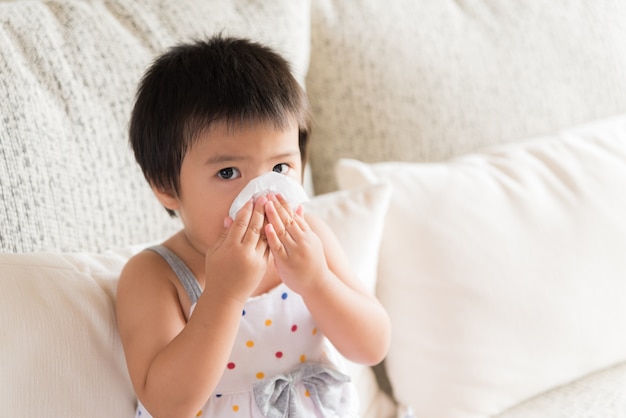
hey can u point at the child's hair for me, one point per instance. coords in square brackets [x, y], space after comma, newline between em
[191, 86]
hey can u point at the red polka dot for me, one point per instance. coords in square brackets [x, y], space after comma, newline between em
[279, 354]
[231, 366]
[294, 328]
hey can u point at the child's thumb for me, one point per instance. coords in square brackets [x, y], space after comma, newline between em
[222, 236]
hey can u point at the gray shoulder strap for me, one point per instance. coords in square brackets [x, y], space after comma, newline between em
[186, 277]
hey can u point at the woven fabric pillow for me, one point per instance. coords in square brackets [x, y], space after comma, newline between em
[423, 80]
[68, 75]
[600, 394]
[503, 270]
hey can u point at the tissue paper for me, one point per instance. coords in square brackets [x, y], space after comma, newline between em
[271, 182]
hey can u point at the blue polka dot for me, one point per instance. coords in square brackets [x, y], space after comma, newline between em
[284, 295]
[219, 395]
[243, 313]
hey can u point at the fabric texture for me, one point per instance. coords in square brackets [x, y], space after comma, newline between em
[598, 395]
[68, 179]
[426, 80]
[503, 270]
[278, 396]
[60, 306]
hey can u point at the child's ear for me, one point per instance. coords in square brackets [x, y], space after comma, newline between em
[168, 198]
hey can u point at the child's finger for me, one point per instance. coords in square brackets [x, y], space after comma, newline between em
[274, 242]
[222, 236]
[274, 219]
[283, 211]
[240, 224]
[255, 227]
[299, 218]
[282, 200]
[300, 210]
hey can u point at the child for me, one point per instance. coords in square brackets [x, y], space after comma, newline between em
[233, 317]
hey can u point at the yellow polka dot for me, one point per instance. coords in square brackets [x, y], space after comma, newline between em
[250, 343]
[302, 358]
[268, 322]
[314, 331]
[307, 393]
[260, 375]
[235, 408]
[199, 413]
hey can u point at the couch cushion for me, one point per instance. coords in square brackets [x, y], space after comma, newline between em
[68, 74]
[503, 270]
[423, 80]
[600, 394]
[60, 354]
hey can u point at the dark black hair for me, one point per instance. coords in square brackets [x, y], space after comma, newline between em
[193, 85]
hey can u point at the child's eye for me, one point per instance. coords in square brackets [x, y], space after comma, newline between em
[281, 168]
[228, 173]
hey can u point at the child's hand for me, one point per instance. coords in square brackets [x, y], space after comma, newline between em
[297, 250]
[237, 261]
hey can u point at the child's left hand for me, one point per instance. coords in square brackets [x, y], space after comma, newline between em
[298, 252]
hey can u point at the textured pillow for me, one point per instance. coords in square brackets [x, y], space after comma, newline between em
[423, 80]
[601, 394]
[503, 271]
[68, 74]
[60, 354]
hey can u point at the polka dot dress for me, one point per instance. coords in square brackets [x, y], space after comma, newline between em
[276, 335]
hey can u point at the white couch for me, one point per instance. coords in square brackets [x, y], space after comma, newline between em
[480, 149]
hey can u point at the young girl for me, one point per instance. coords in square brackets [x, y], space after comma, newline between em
[237, 317]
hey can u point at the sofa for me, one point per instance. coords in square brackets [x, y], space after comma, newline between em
[470, 156]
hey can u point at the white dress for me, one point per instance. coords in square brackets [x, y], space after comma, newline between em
[280, 365]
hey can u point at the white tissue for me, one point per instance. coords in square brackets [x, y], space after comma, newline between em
[271, 182]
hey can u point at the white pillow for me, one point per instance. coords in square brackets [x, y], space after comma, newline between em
[60, 354]
[504, 272]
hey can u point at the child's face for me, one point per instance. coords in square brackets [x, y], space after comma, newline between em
[218, 166]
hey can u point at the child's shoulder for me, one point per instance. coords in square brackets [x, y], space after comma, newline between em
[145, 261]
[143, 271]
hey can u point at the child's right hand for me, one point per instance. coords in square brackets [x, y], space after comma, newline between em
[236, 263]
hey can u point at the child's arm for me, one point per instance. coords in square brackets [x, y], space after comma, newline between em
[311, 262]
[175, 365]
